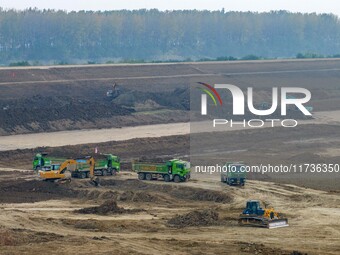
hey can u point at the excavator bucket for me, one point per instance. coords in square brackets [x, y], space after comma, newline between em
[278, 223]
[95, 181]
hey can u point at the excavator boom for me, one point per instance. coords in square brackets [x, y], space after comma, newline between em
[60, 173]
[63, 173]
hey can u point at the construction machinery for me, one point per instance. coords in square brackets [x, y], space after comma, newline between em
[235, 174]
[107, 164]
[66, 170]
[254, 215]
[173, 170]
[114, 92]
[42, 161]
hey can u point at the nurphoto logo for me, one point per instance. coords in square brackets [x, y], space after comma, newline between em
[238, 107]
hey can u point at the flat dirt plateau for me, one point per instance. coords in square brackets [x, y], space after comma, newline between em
[127, 216]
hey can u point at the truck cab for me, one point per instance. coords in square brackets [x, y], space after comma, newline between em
[40, 161]
[179, 168]
[113, 163]
[107, 164]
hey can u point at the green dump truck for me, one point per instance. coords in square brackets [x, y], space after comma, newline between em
[42, 162]
[235, 174]
[173, 170]
[106, 164]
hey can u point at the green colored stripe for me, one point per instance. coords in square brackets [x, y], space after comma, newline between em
[211, 95]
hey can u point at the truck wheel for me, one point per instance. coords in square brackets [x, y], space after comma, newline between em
[83, 175]
[148, 177]
[104, 172]
[88, 175]
[141, 176]
[177, 179]
[110, 171]
[166, 178]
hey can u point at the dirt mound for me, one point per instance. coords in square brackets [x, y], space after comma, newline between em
[202, 195]
[36, 112]
[54, 112]
[254, 248]
[141, 100]
[138, 197]
[175, 191]
[13, 237]
[195, 218]
[125, 196]
[108, 207]
[33, 191]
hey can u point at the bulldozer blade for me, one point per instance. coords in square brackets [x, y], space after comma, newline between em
[278, 223]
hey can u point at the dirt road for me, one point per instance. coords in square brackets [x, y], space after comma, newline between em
[62, 138]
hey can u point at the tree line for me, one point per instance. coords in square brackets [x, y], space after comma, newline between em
[50, 36]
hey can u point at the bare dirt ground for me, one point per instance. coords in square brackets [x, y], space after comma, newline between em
[62, 138]
[148, 224]
[45, 99]
[196, 217]
[306, 144]
[128, 216]
[75, 137]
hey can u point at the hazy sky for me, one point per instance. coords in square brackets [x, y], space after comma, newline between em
[318, 6]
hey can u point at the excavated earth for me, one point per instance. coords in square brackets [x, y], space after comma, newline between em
[40, 99]
[127, 216]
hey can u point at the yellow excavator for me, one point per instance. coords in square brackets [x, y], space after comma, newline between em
[254, 215]
[64, 174]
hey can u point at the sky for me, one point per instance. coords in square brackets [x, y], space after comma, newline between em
[306, 6]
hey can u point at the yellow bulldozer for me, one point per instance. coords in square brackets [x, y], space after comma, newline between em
[63, 173]
[254, 215]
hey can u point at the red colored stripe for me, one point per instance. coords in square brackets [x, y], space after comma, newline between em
[213, 90]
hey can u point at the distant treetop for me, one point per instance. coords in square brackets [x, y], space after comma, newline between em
[50, 36]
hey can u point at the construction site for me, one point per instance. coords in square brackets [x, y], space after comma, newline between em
[135, 114]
